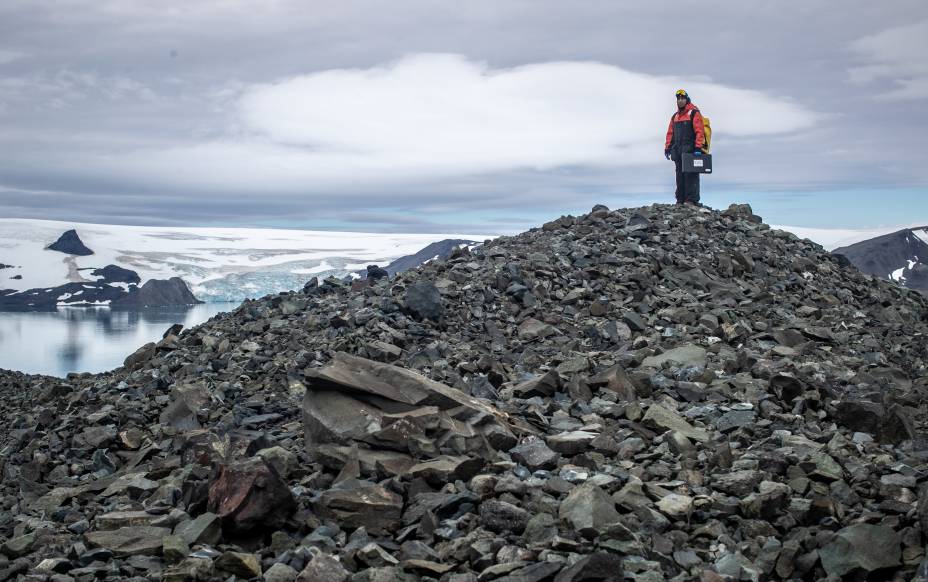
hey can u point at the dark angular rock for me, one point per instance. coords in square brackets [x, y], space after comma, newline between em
[360, 504]
[324, 568]
[250, 494]
[735, 419]
[532, 573]
[743, 212]
[787, 388]
[545, 385]
[375, 273]
[500, 516]
[634, 321]
[532, 329]
[446, 469]
[535, 454]
[240, 564]
[206, 529]
[19, 546]
[862, 547]
[571, 442]
[423, 300]
[897, 426]
[598, 567]
[588, 511]
[859, 415]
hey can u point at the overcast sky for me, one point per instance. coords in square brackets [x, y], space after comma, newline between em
[439, 116]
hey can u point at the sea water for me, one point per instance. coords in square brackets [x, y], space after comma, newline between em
[88, 339]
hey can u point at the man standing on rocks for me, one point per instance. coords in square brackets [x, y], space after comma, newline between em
[684, 136]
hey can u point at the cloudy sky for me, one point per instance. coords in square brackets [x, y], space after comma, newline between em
[488, 116]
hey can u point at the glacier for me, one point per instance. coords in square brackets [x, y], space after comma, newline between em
[218, 264]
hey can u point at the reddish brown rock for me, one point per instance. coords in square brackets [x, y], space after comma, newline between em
[250, 494]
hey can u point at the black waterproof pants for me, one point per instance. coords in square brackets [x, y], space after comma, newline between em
[687, 183]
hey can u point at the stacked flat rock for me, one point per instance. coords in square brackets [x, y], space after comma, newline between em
[659, 393]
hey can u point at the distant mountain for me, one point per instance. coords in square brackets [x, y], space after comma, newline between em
[437, 250]
[217, 264]
[901, 256]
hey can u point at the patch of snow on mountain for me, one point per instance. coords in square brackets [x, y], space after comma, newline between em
[922, 234]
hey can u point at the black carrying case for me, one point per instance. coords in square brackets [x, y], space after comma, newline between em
[701, 164]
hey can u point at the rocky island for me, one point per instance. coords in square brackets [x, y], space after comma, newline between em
[111, 286]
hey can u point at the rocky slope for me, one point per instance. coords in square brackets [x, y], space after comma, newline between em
[659, 393]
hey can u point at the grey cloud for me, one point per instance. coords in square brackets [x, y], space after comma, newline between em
[82, 79]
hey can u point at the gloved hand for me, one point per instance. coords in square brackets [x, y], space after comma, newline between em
[667, 154]
[697, 152]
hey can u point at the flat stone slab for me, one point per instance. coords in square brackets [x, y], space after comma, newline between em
[354, 399]
[118, 519]
[664, 418]
[129, 541]
[688, 355]
[572, 442]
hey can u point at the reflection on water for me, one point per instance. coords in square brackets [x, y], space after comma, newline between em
[88, 339]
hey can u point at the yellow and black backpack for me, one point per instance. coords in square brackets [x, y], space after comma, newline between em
[707, 131]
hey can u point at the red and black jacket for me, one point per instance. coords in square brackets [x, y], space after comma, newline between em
[686, 132]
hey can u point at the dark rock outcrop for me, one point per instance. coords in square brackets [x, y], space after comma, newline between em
[157, 292]
[70, 243]
[116, 274]
[374, 272]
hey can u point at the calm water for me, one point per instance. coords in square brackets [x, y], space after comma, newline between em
[88, 339]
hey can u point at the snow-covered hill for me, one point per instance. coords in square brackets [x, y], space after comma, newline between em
[219, 264]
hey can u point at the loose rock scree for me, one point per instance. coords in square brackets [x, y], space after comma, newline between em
[660, 393]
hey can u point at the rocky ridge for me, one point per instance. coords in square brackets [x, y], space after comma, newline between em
[661, 393]
[436, 250]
